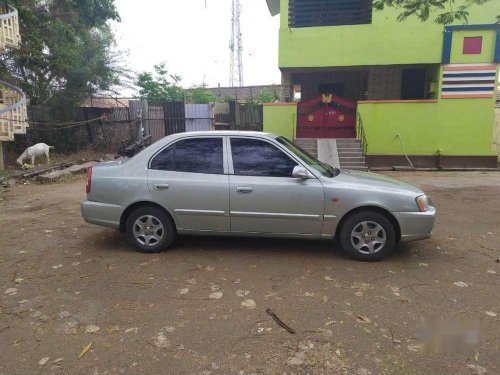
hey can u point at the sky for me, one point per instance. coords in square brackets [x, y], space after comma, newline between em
[194, 40]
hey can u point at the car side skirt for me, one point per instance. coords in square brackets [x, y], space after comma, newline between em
[254, 234]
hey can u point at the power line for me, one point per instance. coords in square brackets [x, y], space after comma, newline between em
[55, 125]
[51, 126]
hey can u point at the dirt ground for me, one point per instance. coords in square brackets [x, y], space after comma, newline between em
[200, 308]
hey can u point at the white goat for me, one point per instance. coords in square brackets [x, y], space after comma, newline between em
[32, 152]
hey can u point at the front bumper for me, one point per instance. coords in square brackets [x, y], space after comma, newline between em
[416, 225]
[107, 215]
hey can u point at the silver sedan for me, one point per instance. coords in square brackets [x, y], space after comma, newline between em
[252, 184]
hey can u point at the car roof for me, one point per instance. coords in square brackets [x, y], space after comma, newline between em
[169, 139]
[227, 133]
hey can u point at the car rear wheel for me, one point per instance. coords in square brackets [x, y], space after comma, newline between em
[367, 236]
[150, 230]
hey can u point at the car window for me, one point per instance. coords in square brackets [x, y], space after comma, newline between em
[311, 161]
[195, 155]
[254, 157]
[164, 161]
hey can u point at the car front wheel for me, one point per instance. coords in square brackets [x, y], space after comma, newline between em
[367, 236]
[150, 230]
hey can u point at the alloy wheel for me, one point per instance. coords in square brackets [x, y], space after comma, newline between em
[148, 230]
[368, 237]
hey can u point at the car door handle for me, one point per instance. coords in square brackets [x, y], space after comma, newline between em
[161, 186]
[244, 190]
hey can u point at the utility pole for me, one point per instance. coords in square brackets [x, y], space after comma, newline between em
[236, 47]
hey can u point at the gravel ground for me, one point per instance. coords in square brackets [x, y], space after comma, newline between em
[76, 299]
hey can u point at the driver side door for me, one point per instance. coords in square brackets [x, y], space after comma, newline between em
[264, 197]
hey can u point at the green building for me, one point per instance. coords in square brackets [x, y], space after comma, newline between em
[416, 89]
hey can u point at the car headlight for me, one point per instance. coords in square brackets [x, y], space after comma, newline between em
[423, 203]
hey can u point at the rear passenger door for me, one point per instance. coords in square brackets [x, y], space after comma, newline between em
[189, 178]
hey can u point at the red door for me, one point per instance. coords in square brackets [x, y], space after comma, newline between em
[326, 116]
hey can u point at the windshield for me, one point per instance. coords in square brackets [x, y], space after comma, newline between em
[324, 169]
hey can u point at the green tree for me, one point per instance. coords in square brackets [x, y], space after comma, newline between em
[201, 95]
[251, 100]
[67, 52]
[160, 86]
[228, 98]
[449, 11]
[269, 95]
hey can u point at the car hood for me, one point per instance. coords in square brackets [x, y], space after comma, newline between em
[375, 181]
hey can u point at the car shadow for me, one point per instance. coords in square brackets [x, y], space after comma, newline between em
[257, 244]
[113, 241]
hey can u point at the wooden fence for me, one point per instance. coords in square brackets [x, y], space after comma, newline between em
[246, 116]
[111, 129]
[175, 117]
[156, 120]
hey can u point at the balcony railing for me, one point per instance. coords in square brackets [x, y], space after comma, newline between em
[9, 27]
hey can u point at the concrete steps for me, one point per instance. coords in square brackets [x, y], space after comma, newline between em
[308, 144]
[351, 154]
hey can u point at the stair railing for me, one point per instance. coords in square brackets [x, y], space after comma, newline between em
[361, 134]
[13, 114]
[9, 24]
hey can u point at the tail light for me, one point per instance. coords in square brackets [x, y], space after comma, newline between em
[89, 179]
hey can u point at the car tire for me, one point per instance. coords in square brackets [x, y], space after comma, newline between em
[150, 229]
[367, 236]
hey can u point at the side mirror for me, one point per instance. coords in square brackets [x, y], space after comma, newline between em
[300, 172]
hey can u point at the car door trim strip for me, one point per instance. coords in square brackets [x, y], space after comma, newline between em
[200, 212]
[267, 215]
[329, 217]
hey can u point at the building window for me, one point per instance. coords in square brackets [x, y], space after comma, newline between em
[307, 13]
[473, 45]
[413, 84]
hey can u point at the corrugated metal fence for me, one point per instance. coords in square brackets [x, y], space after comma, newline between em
[199, 117]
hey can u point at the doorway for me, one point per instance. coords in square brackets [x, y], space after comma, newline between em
[331, 88]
